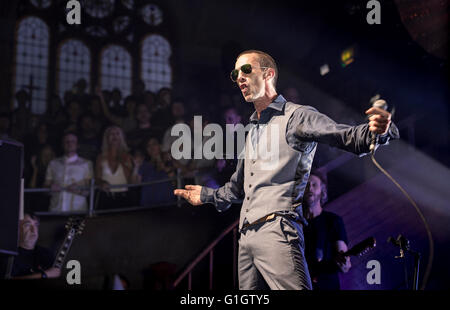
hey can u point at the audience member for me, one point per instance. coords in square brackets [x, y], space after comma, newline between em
[144, 129]
[21, 115]
[178, 116]
[80, 94]
[127, 122]
[162, 116]
[113, 167]
[39, 164]
[55, 116]
[154, 168]
[74, 111]
[139, 91]
[88, 141]
[116, 103]
[66, 176]
[96, 109]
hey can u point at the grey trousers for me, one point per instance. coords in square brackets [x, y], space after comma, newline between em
[271, 256]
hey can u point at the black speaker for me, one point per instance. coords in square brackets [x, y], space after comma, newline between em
[11, 172]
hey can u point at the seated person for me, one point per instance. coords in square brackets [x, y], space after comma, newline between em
[33, 261]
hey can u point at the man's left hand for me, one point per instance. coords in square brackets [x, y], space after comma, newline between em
[379, 120]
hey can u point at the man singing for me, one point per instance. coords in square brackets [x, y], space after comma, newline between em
[271, 244]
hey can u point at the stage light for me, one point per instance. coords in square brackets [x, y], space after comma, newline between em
[324, 69]
[347, 56]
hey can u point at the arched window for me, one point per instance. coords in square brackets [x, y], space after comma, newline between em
[31, 72]
[155, 67]
[74, 63]
[116, 69]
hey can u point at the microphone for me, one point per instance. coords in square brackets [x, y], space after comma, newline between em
[376, 103]
[400, 242]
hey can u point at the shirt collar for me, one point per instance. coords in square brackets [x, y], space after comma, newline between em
[69, 160]
[277, 104]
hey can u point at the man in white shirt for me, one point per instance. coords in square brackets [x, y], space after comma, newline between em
[65, 175]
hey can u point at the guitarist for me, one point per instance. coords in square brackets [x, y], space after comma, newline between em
[325, 236]
[33, 261]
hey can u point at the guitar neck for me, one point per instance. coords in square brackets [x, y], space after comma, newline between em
[362, 247]
[64, 249]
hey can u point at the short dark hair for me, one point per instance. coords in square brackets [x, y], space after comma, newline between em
[265, 60]
[33, 216]
[322, 175]
[70, 132]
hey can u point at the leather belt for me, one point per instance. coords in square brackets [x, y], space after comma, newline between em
[260, 221]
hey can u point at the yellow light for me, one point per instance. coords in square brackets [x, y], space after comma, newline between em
[347, 56]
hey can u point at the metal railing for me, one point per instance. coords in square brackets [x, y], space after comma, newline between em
[91, 211]
[209, 250]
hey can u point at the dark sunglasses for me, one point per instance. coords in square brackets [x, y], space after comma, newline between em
[247, 69]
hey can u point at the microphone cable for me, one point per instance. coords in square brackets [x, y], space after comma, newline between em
[427, 228]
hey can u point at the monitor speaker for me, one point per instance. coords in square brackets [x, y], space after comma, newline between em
[11, 172]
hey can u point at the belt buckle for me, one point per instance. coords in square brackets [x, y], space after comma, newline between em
[260, 221]
[269, 217]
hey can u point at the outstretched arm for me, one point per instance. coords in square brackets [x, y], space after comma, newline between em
[223, 197]
[311, 125]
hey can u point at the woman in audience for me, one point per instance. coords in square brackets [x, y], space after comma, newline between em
[114, 166]
[154, 168]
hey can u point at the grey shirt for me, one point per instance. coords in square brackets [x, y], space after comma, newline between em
[305, 128]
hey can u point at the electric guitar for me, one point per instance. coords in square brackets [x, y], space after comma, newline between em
[74, 227]
[362, 247]
[358, 249]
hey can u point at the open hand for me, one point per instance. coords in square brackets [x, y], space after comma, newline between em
[191, 193]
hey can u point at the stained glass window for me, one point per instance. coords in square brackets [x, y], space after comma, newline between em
[116, 69]
[98, 8]
[74, 63]
[156, 71]
[32, 61]
[42, 4]
[152, 15]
